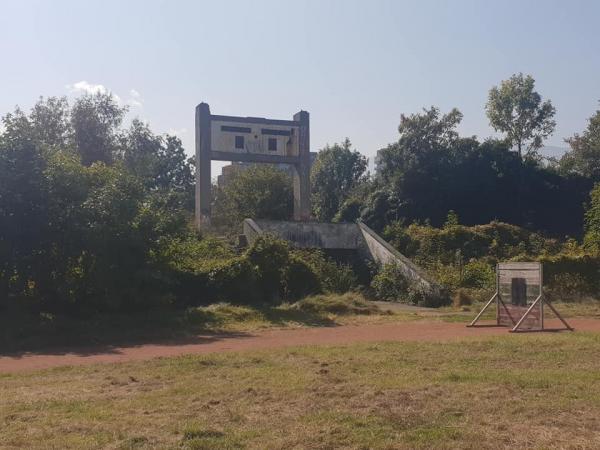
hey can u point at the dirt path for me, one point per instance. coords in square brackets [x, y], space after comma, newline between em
[221, 342]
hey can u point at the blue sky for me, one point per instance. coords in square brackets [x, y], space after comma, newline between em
[354, 65]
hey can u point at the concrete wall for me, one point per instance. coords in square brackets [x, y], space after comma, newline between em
[309, 234]
[255, 136]
[251, 230]
[383, 253]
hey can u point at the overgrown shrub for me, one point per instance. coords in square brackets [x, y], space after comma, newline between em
[299, 279]
[569, 277]
[479, 275]
[497, 240]
[333, 276]
[269, 256]
[390, 284]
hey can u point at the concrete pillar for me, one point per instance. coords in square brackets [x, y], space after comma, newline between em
[203, 181]
[301, 173]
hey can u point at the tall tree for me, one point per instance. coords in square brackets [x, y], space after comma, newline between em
[516, 109]
[23, 205]
[159, 161]
[336, 172]
[96, 120]
[584, 157]
[424, 137]
[140, 150]
[258, 192]
[50, 122]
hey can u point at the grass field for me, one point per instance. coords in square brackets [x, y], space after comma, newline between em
[533, 391]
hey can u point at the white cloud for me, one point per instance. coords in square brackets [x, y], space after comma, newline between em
[134, 99]
[179, 132]
[83, 87]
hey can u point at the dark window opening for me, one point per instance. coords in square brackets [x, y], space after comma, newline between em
[239, 142]
[235, 129]
[272, 144]
[276, 132]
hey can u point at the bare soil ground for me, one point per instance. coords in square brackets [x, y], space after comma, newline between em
[426, 331]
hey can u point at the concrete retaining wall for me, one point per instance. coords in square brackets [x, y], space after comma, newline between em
[310, 234]
[383, 253]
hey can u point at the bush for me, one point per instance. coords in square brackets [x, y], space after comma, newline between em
[234, 280]
[389, 284]
[567, 277]
[333, 277]
[269, 256]
[299, 279]
[478, 275]
[496, 240]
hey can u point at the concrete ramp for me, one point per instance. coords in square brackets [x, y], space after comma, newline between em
[340, 236]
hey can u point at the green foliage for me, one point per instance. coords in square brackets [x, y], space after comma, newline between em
[299, 279]
[592, 222]
[270, 257]
[390, 284]
[336, 172]
[424, 138]
[571, 276]
[335, 277]
[431, 170]
[258, 192]
[584, 157]
[479, 275]
[160, 162]
[451, 219]
[517, 110]
[496, 240]
[568, 271]
[349, 211]
[95, 121]
[79, 237]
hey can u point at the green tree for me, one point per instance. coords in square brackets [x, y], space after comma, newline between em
[337, 171]
[77, 237]
[584, 157]
[24, 221]
[516, 109]
[50, 121]
[96, 120]
[259, 192]
[424, 138]
[592, 221]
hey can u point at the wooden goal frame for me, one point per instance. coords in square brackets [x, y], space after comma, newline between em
[525, 317]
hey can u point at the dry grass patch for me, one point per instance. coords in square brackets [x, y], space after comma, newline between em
[515, 391]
